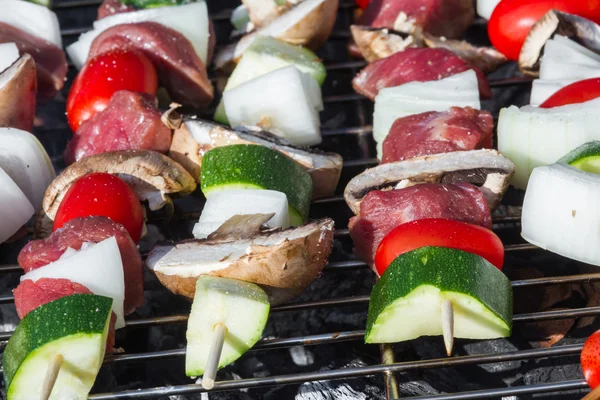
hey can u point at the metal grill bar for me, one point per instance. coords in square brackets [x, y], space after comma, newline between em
[353, 373]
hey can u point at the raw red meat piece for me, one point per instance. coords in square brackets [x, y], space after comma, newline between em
[415, 64]
[50, 60]
[29, 295]
[131, 121]
[438, 132]
[73, 234]
[111, 7]
[448, 18]
[180, 70]
[381, 211]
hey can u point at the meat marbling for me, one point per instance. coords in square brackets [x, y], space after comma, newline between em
[414, 64]
[29, 295]
[73, 234]
[433, 132]
[179, 68]
[382, 211]
[448, 18]
[131, 121]
[50, 60]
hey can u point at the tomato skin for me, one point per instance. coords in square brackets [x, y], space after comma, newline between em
[362, 4]
[102, 194]
[578, 92]
[512, 20]
[590, 360]
[104, 75]
[439, 232]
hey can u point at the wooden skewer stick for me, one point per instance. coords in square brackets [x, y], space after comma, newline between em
[448, 325]
[214, 355]
[593, 395]
[51, 375]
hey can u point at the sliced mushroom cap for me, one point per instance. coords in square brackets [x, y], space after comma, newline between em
[377, 43]
[283, 262]
[307, 24]
[18, 86]
[487, 59]
[262, 12]
[579, 29]
[486, 169]
[153, 176]
[195, 137]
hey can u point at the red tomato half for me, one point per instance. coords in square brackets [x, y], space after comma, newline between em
[578, 92]
[590, 360]
[512, 20]
[102, 194]
[104, 75]
[443, 233]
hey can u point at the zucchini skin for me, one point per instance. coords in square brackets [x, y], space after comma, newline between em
[49, 322]
[449, 270]
[260, 167]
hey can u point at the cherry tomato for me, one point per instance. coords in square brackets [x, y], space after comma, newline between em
[577, 92]
[104, 75]
[102, 194]
[590, 360]
[362, 4]
[439, 232]
[512, 20]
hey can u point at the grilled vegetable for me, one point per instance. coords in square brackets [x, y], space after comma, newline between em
[240, 18]
[485, 8]
[241, 306]
[532, 137]
[285, 102]
[16, 208]
[268, 54]
[257, 167]
[282, 262]
[104, 75]
[406, 301]
[586, 157]
[306, 24]
[195, 137]
[9, 53]
[98, 267]
[24, 159]
[191, 20]
[141, 4]
[487, 169]
[559, 210]
[590, 360]
[512, 20]
[32, 18]
[443, 233]
[460, 90]
[221, 206]
[73, 328]
[18, 85]
[553, 24]
[102, 194]
[578, 92]
[153, 176]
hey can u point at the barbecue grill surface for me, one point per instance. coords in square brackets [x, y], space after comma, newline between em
[313, 348]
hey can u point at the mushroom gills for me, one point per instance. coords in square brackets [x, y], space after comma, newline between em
[486, 169]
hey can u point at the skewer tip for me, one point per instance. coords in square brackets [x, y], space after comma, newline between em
[448, 326]
[214, 355]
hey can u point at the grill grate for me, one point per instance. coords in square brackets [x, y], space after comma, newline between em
[357, 131]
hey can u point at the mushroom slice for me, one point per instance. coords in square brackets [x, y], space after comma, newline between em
[487, 59]
[18, 86]
[282, 262]
[262, 12]
[153, 176]
[195, 137]
[486, 169]
[306, 24]
[378, 43]
[581, 30]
